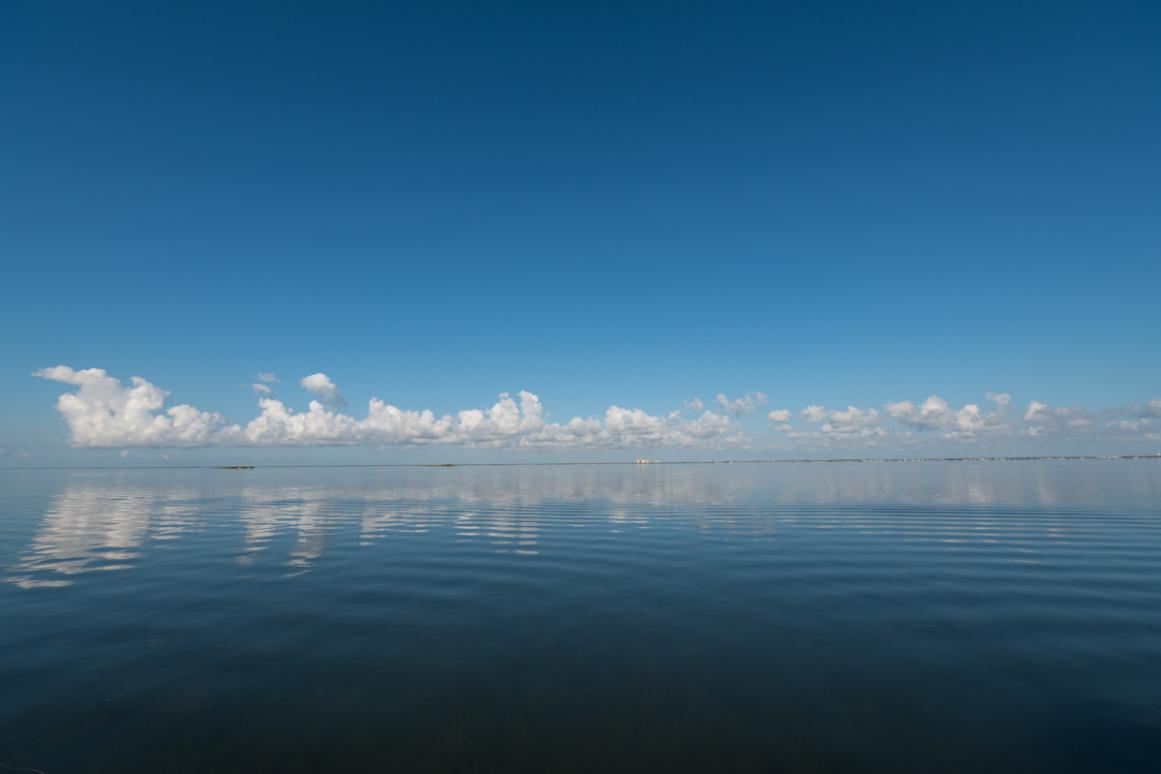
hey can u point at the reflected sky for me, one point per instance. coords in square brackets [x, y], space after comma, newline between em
[90, 527]
[106, 521]
[200, 620]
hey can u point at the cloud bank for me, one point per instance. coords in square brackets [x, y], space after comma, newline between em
[102, 411]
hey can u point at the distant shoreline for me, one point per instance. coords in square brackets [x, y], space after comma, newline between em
[635, 463]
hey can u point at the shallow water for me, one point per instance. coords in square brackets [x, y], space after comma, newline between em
[1001, 616]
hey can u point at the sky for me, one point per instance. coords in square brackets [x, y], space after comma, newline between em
[577, 231]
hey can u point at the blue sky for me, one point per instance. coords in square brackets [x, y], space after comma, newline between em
[839, 204]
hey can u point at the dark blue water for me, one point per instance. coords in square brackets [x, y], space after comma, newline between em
[1001, 616]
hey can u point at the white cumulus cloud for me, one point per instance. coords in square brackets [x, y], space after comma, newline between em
[1042, 412]
[747, 404]
[813, 413]
[935, 414]
[848, 423]
[999, 398]
[853, 421]
[321, 385]
[104, 412]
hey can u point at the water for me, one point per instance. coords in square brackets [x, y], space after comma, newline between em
[1001, 616]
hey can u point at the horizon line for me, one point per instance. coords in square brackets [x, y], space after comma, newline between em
[792, 461]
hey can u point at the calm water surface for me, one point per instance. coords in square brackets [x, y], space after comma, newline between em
[999, 616]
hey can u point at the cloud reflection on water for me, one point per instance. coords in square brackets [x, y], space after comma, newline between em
[106, 521]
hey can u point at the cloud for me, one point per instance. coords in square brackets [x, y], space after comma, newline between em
[694, 404]
[321, 385]
[1044, 419]
[848, 423]
[747, 404]
[1150, 409]
[999, 398]
[813, 413]
[512, 422]
[1042, 412]
[934, 414]
[1117, 424]
[103, 412]
[853, 421]
[268, 378]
